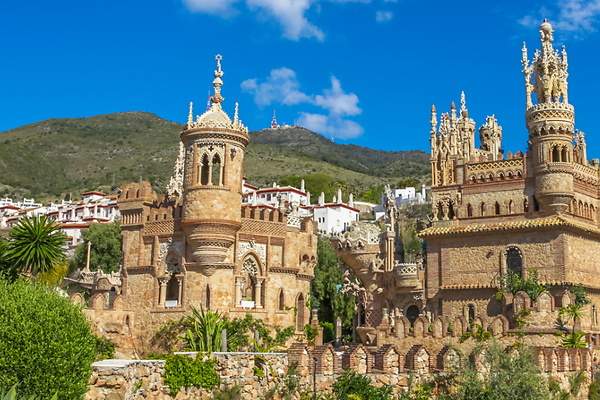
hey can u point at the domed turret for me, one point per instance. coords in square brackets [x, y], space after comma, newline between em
[214, 155]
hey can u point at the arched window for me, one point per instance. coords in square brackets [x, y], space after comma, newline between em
[580, 208]
[469, 210]
[440, 211]
[510, 207]
[514, 260]
[300, 312]
[450, 211]
[563, 155]
[412, 313]
[592, 213]
[586, 211]
[281, 300]
[251, 271]
[207, 298]
[471, 313]
[482, 209]
[497, 208]
[555, 154]
[204, 167]
[216, 170]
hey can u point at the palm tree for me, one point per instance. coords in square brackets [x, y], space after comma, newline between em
[35, 245]
[574, 339]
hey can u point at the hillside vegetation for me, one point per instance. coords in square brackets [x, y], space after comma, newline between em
[53, 158]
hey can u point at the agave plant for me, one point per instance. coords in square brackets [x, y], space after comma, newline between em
[204, 335]
[11, 394]
[36, 245]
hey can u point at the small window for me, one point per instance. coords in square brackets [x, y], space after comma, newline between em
[471, 313]
[514, 260]
[281, 300]
[469, 210]
[216, 170]
[204, 170]
[497, 208]
[412, 313]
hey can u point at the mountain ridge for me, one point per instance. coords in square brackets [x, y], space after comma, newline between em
[51, 158]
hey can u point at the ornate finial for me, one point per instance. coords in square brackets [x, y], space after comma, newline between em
[546, 33]
[190, 120]
[217, 99]
[236, 114]
[433, 119]
[463, 101]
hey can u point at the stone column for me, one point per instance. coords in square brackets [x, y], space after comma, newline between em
[180, 288]
[338, 331]
[259, 289]
[238, 292]
[162, 292]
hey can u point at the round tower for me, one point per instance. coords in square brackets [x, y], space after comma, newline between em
[212, 185]
[550, 121]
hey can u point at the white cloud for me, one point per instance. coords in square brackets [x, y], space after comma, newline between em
[578, 16]
[338, 102]
[291, 16]
[281, 86]
[330, 125]
[383, 16]
[223, 8]
[575, 17]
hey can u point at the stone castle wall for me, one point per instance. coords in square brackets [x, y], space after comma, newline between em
[385, 365]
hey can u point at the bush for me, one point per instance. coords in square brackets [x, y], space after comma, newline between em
[352, 385]
[46, 344]
[12, 394]
[105, 349]
[186, 372]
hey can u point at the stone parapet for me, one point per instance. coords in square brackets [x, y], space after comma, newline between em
[386, 365]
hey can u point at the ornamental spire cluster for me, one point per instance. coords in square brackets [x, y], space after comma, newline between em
[547, 74]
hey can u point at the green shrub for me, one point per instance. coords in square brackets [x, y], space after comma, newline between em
[594, 389]
[352, 385]
[105, 349]
[185, 372]
[46, 344]
[12, 394]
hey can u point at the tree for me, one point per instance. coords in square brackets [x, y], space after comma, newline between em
[326, 287]
[46, 344]
[105, 252]
[35, 245]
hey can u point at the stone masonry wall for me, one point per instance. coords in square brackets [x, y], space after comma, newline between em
[136, 380]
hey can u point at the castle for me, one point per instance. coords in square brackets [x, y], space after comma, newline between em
[492, 214]
[200, 246]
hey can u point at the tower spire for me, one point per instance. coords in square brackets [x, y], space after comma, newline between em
[463, 103]
[274, 124]
[236, 114]
[216, 99]
[433, 119]
[190, 120]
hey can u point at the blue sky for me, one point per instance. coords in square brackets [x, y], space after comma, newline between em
[362, 71]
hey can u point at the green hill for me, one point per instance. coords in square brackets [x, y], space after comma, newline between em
[52, 158]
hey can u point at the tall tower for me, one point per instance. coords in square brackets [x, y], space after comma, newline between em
[550, 121]
[212, 186]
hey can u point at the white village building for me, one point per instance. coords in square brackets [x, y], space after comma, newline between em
[331, 218]
[74, 217]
